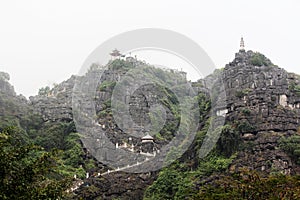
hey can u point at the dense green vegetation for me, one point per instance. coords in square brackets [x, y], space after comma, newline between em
[180, 179]
[178, 182]
[293, 87]
[242, 93]
[27, 170]
[44, 91]
[228, 142]
[162, 80]
[259, 59]
[291, 145]
[251, 185]
[38, 159]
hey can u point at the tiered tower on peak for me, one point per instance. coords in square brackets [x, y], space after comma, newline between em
[242, 44]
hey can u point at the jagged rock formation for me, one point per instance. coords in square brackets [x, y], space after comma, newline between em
[5, 87]
[261, 94]
[263, 107]
[117, 185]
[262, 104]
[57, 104]
[12, 107]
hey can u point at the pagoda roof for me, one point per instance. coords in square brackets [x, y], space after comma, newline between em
[147, 137]
[115, 53]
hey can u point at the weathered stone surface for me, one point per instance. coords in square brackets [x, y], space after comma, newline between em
[57, 104]
[5, 87]
[11, 105]
[117, 185]
[260, 96]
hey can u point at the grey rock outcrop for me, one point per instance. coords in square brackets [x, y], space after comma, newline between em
[5, 87]
[260, 95]
[57, 104]
[263, 107]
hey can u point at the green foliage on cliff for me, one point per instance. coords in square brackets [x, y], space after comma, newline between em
[172, 183]
[118, 64]
[107, 86]
[244, 126]
[259, 59]
[242, 93]
[44, 91]
[27, 171]
[51, 135]
[178, 181]
[251, 185]
[293, 87]
[160, 82]
[291, 145]
[229, 141]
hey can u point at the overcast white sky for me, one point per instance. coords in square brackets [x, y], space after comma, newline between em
[45, 42]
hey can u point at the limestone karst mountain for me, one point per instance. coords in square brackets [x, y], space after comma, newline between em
[261, 109]
[263, 105]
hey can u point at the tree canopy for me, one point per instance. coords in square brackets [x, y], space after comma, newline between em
[27, 171]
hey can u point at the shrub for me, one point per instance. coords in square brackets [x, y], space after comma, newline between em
[44, 91]
[246, 111]
[252, 185]
[259, 59]
[228, 141]
[242, 93]
[245, 127]
[291, 145]
[294, 88]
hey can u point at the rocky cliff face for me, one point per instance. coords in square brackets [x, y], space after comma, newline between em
[12, 107]
[5, 87]
[261, 95]
[56, 105]
[263, 106]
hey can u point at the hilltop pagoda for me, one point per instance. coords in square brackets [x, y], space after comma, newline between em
[115, 54]
[242, 44]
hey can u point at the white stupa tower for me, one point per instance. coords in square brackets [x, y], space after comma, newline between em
[242, 44]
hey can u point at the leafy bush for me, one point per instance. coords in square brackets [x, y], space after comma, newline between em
[120, 64]
[251, 185]
[27, 171]
[107, 85]
[242, 93]
[166, 185]
[291, 145]
[244, 127]
[246, 111]
[259, 59]
[44, 91]
[294, 88]
[228, 141]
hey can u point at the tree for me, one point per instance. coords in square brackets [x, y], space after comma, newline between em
[291, 145]
[4, 76]
[228, 141]
[44, 91]
[27, 171]
[259, 59]
[251, 185]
